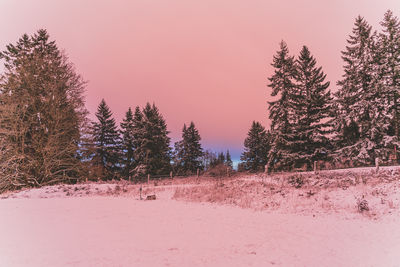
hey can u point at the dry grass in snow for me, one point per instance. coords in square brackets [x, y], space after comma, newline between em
[328, 192]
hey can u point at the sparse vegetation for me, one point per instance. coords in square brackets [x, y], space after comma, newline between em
[362, 205]
[296, 180]
[220, 170]
[326, 192]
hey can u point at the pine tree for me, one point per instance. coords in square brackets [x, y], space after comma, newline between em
[177, 156]
[188, 150]
[127, 144]
[311, 122]
[153, 151]
[42, 114]
[358, 98]
[388, 76]
[221, 158]
[281, 111]
[107, 142]
[256, 148]
[228, 160]
[209, 159]
[139, 149]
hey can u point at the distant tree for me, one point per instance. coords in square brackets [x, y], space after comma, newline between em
[127, 144]
[228, 159]
[42, 115]
[177, 157]
[152, 151]
[221, 158]
[107, 142]
[188, 150]
[209, 159]
[256, 148]
[139, 148]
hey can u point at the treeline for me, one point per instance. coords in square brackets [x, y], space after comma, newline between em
[356, 124]
[46, 137]
[141, 146]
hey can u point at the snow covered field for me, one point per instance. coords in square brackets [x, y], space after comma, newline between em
[64, 226]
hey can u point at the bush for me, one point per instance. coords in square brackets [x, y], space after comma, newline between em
[362, 205]
[219, 170]
[296, 181]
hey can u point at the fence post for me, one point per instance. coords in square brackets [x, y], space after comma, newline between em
[170, 174]
[197, 173]
[315, 167]
[148, 178]
[377, 164]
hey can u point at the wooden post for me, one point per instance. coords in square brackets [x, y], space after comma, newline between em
[376, 164]
[198, 173]
[227, 171]
[315, 167]
[148, 178]
[140, 190]
[170, 174]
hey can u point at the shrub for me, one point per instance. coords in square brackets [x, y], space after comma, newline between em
[296, 181]
[362, 205]
[219, 170]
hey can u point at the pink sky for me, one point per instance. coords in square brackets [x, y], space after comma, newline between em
[205, 61]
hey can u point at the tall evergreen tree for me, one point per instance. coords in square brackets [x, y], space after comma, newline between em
[388, 74]
[42, 114]
[188, 150]
[139, 149]
[107, 142]
[152, 150]
[311, 122]
[360, 111]
[127, 144]
[281, 111]
[256, 148]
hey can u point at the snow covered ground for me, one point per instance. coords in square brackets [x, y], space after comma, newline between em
[107, 225]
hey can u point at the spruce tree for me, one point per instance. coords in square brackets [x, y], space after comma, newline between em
[358, 99]
[228, 159]
[209, 159]
[107, 141]
[188, 150]
[153, 153]
[139, 150]
[42, 114]
[127, 144]
[388, 75]
[221, 158]
[256, 148]
[311, 122]
[281, 111]
[177, 157]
